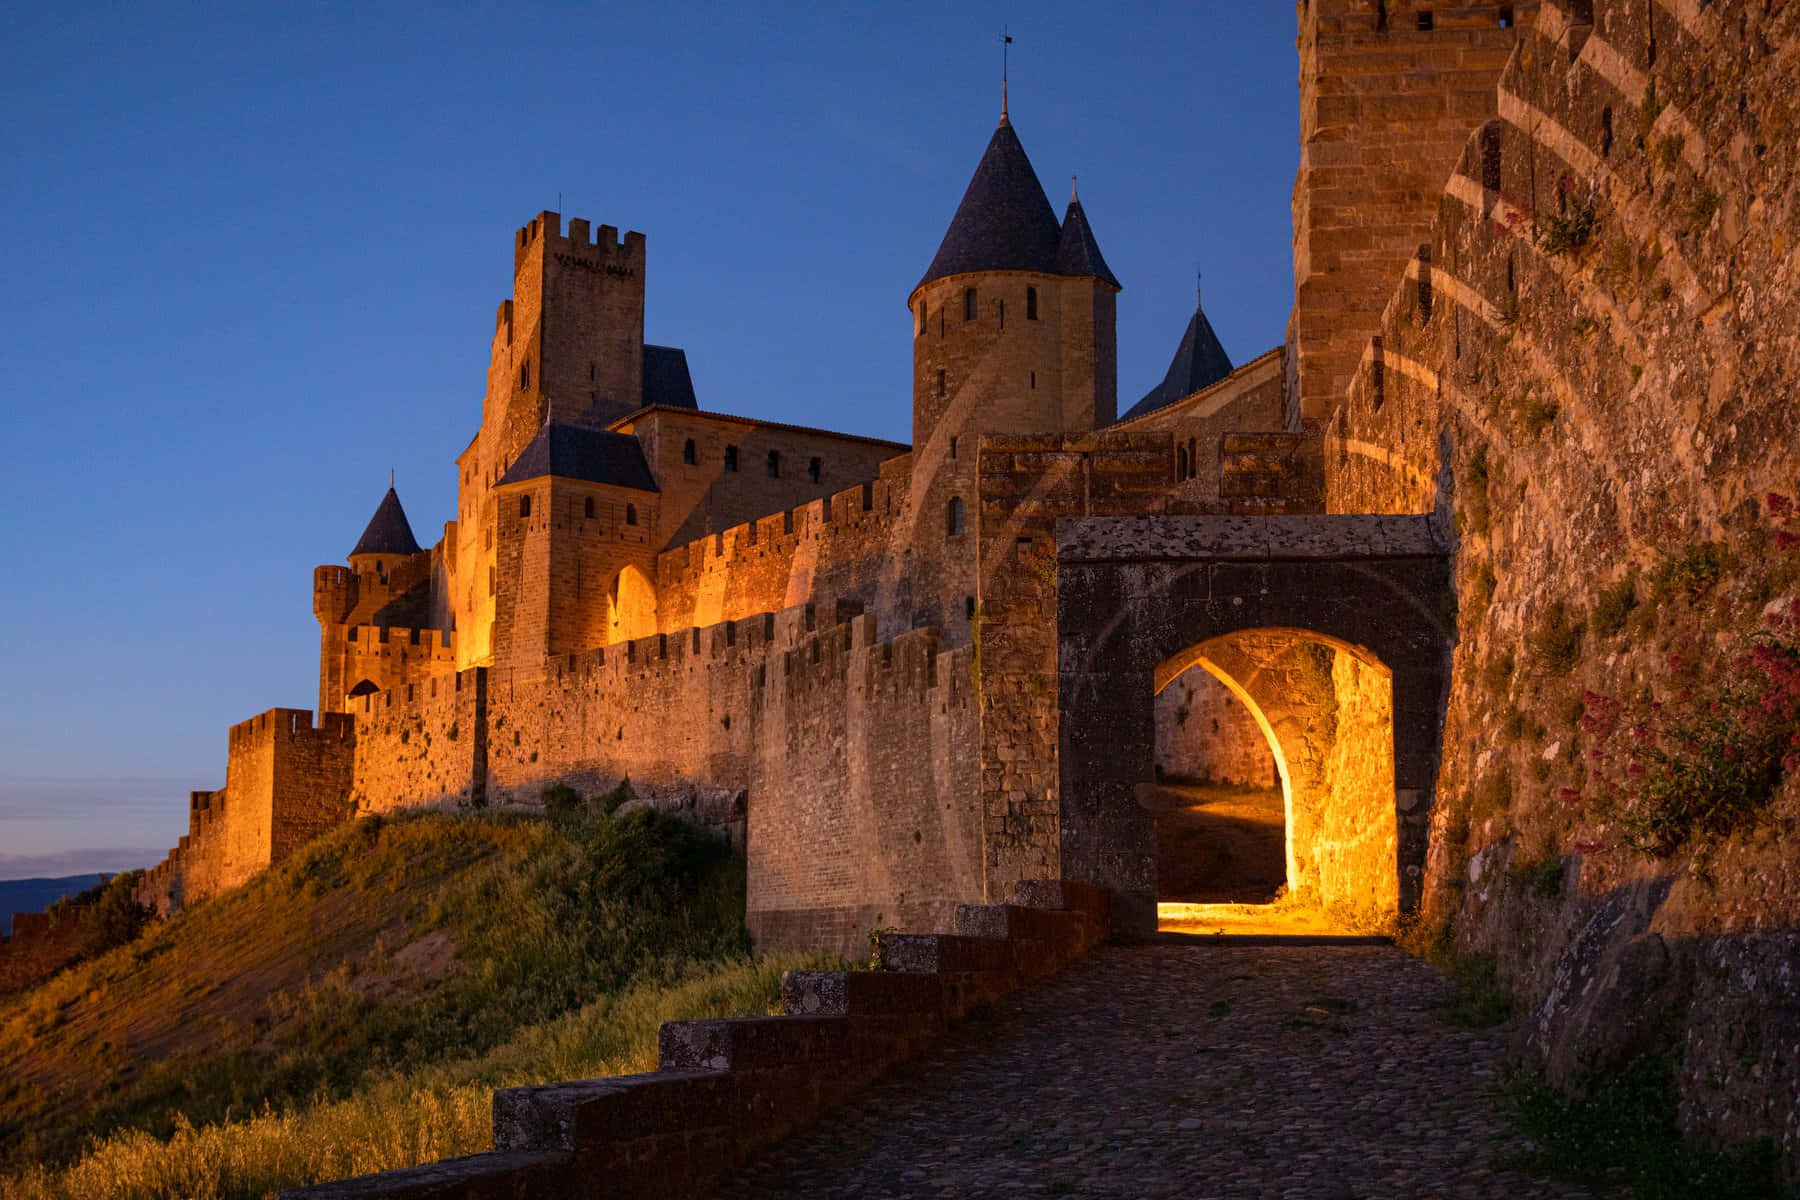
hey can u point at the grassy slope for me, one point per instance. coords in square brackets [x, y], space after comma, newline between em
[352, 1009]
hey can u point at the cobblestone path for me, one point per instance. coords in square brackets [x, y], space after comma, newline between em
[1185, 1071]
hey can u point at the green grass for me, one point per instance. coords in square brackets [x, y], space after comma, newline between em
[353, 1009]
[1621, 1131]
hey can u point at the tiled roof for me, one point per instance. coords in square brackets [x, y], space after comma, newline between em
[1078, 253]
[666, 378]
[1199, 360]
[592, 455]
[388, 531]
[1005, 222]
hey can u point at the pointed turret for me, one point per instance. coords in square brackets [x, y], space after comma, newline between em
[1199, 361]
[388, 531]
[1005, 222]
[1078, 253]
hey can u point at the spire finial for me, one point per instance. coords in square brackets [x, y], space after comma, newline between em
[390, 479]
[1199, 284]
[1005, 44]
[1074, 189]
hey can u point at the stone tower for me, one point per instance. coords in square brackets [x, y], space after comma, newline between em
[1377, 142]
[1013, 323]
[1013, 332]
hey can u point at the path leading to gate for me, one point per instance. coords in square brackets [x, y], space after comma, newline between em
[1190, 1071]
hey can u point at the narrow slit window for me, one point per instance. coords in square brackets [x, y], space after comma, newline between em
[525, 376]
[1000, 311]
[774, 464]
[689, 454]
[1506, 16]
[524, 506]
[943, 383]
[587, 508]
[953, 516]
[631, 514]
[1031, 304]
[815, 469]
[971, 304]
[731, 458]
[953, 447]
[1426, 21]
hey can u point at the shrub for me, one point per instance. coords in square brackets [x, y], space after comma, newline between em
[560, 799]
[1536, 415]
[1613, 606]
[1543, 878]
[1475, 504]
[1622, 1128]
[1556, 639]
[1705, 760]
[1691, 573]
[1560, 233]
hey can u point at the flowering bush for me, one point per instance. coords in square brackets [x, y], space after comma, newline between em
[1705, 757]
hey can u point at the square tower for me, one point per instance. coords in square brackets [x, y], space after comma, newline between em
[1390, 90]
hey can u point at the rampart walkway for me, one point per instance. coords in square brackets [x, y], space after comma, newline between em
[1186, 1071]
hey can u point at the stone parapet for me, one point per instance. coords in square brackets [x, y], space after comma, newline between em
[725, 1090]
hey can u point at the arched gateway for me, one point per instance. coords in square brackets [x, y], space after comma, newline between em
[1140, 598]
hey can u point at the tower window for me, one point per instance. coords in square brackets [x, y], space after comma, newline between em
[524, 506]
[774, 464]
[969, 608]
[971, 304]
[1181, 462]
[525, 376]
[920, 328]
[1031, 304]
[1000, 311]
[1426, 22]
[1380, 16]
[953, 516]
[1034, 381]
[952, 447]
[688, 454]
[731, 458]
[815, 469]
[943, 383]
[631, 514]
[587, 508]
[1506, 16]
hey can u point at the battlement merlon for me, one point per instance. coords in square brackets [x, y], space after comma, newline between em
[292, 724]
[334, 593]
[604, 247]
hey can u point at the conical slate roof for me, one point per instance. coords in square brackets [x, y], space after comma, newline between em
[1005, 222]
[1078, 253]
[388, 531]
[1199, 360]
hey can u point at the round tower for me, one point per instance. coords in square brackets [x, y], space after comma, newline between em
[1013, 323]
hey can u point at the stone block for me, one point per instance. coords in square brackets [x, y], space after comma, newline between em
[749, 1043]
[569, 1116]
[496, 1176]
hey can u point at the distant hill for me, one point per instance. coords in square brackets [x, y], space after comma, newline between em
[35, 895]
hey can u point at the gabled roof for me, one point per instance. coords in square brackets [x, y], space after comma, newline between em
[1199, 360]
[1078, 253]
[388, 531]
[1005, 222]
[590, 455]
[666, 378]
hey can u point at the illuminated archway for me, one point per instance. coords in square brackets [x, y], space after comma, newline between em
[1141, 599]
[1324, 706]
[631, 606]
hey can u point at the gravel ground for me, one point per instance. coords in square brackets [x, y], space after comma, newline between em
[1186, 1071]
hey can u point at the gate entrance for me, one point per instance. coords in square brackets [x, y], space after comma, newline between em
[1332, 632]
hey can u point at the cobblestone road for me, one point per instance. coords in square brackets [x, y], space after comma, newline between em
[1186, 1071]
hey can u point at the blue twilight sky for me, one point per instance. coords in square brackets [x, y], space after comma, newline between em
[251, 254]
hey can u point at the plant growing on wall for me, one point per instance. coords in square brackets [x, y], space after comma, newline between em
[1705, 757]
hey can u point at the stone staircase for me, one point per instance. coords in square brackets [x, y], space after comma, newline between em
[725, 1090]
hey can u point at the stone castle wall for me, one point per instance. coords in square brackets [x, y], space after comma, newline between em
[41, 944]
[1589, 370]
[858, 756]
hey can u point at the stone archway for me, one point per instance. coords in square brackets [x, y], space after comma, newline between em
[631, 606]
[1135, 595]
